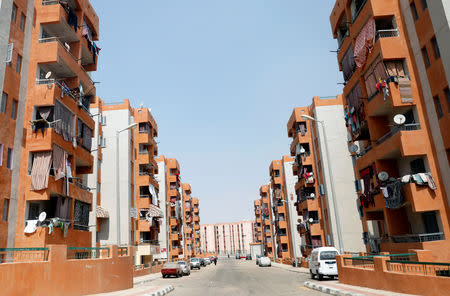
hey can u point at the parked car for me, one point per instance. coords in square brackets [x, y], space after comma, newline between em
[195, 263]
[257, 259]
[248, 257]
[323, 262]
[171, 268]
[184, 267]
[264, 261]
[207, 261]
[238, 256]
[202, 262]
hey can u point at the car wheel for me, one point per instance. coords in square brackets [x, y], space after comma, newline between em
[163, 276]
[312, 274]
[320, 276]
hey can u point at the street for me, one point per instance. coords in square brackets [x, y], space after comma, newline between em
[238, 277]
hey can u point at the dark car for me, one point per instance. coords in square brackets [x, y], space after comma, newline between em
[202, 262]
[248, 257]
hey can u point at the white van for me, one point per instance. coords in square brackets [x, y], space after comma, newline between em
[323, 262]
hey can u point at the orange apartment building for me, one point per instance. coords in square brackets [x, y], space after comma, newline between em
[15, 27]
[267, 221]
[282, 230]
[188, 221]
[257, 239]
[171, 240]
[55, 158]
[400, 165]
[196, 231]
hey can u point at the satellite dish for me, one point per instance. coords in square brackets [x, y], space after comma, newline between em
[383, 176]
[48, 74]
[399, 119]
[354, 148]
[67, 46]
[310, 220]
[42, 216]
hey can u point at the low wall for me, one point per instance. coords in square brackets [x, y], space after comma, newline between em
[61, 276]
[379, 277]
[140, 270]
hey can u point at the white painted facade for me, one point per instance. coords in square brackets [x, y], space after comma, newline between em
[342, 176]
[164, 228]
[227, 238]
[117, 120]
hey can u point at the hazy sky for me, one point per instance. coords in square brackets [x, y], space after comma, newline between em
[221, 79]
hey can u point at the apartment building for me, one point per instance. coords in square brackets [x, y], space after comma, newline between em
[54, 139]
[188, 227]
[257, 232]
[168, 177]
[227, 238]
[196, 230]
[399, 156]
[15, 34]
[267, 221]
[325, 187]
[283, 199]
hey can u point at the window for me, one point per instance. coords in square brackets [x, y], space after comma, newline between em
[33, 211]
[14, 13]
[9, 160]
[426, 58]
[447, 94]
[1, 154]
[438, 106]
[437, 53]
[14, 110]
[19, 63]
[22, 21]
[3, 103]
[414, 11]
[5, 209]
[424, 4]
[430, 222]
[417, 166]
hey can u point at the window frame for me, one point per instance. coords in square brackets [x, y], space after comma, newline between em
[19, 64]
[5, 210]
[437, 52]
[438, 107]
[1, 154]
[10, 159]
[426, 57]
[14, 109]
[14, 13]
[413, 8]
[424, 4]
[3, 102]
[23, 20]
[447, 94]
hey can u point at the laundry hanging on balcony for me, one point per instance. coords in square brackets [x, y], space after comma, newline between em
[152, 190]
[101, 212]
[59, 162]
[40, 170]
[364, 43]
[155, 212]
[393, 196]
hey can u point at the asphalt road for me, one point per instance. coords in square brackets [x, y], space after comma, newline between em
[238, 277]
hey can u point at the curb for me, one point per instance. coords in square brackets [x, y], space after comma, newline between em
[163, 291]
[144, 281]
[297, 271]
[330, 291]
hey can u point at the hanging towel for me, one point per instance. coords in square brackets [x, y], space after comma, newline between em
[364, 43]
[406, 179]
[59, 162]
[40, 170]
[385, 191]
[430, 180]
[395, 199]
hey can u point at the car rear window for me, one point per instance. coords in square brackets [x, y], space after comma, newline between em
[170, 265]
[194, 260]
[328, 255]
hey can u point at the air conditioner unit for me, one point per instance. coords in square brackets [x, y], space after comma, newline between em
[9, 53]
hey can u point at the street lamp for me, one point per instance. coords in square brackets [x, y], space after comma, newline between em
[333, 193]
[130, 127]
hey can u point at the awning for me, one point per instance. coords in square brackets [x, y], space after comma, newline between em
[155, 212]
[101, 212]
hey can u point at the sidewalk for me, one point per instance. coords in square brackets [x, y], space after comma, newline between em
[139, 287]
[336, 288]
[291, 268]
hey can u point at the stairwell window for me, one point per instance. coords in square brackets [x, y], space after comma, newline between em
[9, 160]
[414, 11]
[447, 94]
[426, 57]
[424, 4]
[13, 13]
[22, 22]
[3, 103]
[19, 63]
[438, 106]
[14, 110]
[5, 209]
[437, 53]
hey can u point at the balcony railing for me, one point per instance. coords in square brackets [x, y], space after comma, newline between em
[386, 33]
[396, 129]
[418, 238]
[423, 268]
[10, 255]
[87, 253]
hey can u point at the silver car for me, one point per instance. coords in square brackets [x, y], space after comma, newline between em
[195, 263]
[184, 267]
[207, 261]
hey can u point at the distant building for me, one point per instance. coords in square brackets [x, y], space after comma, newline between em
[227, 238]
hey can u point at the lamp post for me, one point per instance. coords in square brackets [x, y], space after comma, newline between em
[130, 127]
[333, 193]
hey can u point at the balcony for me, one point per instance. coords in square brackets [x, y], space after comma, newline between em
[315, 228]
[401, 140]
[417, 238]
[282, 224]
[381, 106]
[173, 236]
[54, 22]
[173, 221]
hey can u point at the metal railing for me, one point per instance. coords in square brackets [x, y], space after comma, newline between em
[418, 238]
[396, 129]
[10, 255]
[122, 251]
[87, 253]
[366, 263]
[423, 268]
[386, 33]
